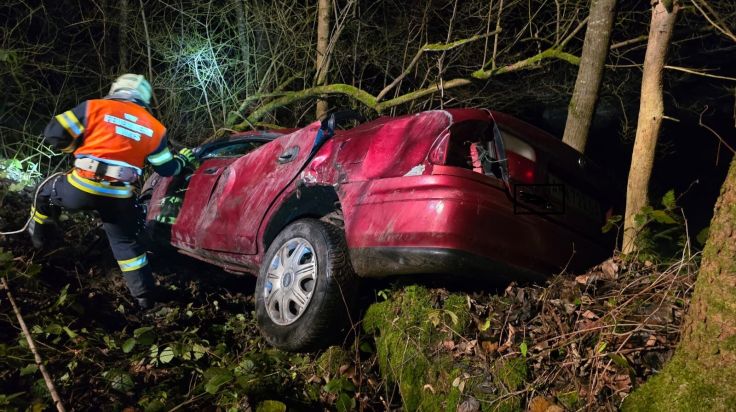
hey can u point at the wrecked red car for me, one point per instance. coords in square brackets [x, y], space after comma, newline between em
[464, 192]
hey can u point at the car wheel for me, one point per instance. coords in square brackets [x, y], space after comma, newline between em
[306, 287]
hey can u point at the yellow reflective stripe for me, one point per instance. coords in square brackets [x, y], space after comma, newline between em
[74, 122]
[37, 213]
[161, 157]
[98, 188]
[37, 216]
[62, 121]
[134, 263]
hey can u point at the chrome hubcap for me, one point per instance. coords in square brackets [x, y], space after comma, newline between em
[290, 281]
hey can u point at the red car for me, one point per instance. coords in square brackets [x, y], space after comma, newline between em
[462, 192]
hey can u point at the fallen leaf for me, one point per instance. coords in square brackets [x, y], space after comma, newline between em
[539, 404]
[610, 269]
[489, 347]
[469, 405]
[651, 341]
[589, 315]
[428, 387]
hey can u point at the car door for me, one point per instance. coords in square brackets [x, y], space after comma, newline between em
[247, 188]
[198, 192]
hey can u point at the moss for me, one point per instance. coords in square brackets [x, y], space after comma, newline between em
[331, 360]
[569, 400]
[511, 372]
[685, 386]
[406, 340]
[458, 305]
[406, 345]
[271, 406]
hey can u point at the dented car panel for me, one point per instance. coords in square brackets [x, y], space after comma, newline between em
[434, 192]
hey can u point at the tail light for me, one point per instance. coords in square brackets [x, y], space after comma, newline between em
[521, 159]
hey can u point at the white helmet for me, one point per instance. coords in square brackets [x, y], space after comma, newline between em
[133, 86]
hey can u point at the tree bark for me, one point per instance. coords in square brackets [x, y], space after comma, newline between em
[651, 111]
[123, 37]
[323, 41]
[584, 97]
[701, 374]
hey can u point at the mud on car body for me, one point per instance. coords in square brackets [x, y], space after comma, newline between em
[461, 192]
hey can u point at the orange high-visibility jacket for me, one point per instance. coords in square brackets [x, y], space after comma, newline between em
[120, 131]
[116, 132]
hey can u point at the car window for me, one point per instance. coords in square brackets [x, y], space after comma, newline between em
[234, 149]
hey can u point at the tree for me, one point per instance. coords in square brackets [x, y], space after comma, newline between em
[322, 64]
[651, 112]
[700, 376]
[590, 73]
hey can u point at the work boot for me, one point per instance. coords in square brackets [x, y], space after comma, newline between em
[146, 301]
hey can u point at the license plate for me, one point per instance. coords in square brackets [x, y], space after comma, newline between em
[574, 199]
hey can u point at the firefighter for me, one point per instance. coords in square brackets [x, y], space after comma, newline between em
[110, 138]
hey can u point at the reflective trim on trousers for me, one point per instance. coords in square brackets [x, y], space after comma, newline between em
[134, 263]
[38, 217]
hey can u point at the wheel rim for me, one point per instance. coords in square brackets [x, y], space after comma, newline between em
[290, 281]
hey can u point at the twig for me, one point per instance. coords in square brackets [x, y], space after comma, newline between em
[628, 42]
[699, 73]
[443, 47]
[700, 122]
[186, 402]
[724, 30]
[32, 347]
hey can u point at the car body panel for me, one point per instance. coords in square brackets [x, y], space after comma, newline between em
[402, 212]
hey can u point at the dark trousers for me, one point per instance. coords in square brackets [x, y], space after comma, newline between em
[119, 220]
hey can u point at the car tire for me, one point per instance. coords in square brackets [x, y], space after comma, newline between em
[285, 282]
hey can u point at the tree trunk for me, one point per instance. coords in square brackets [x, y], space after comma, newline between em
[243, 41]
[584, 97]
[323, 40]
[651, 110]
[701, 374]
[123, 38]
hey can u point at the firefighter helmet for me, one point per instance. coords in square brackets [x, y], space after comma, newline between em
[134, 85]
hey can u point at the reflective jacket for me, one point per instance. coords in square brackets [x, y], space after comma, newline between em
[116, 132]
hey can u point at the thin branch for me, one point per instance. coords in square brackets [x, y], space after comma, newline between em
[551, 53]
[430, 47]
[725, 31]
[495, 38]
[700, 73]
[625, 43]
[372, 102]
[572, 34]
[708, 128]
[32, 346]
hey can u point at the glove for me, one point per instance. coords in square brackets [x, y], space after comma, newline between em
[187, 158]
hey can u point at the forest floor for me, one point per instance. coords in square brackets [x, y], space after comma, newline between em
[576, 343]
